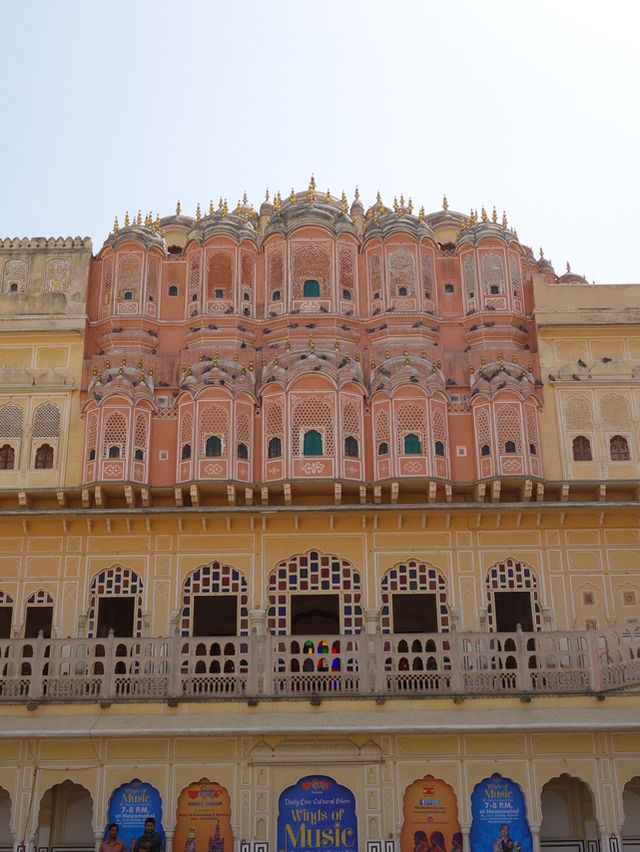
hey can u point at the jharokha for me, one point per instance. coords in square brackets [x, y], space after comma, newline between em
[319, 528]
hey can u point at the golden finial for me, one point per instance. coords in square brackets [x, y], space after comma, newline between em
[157, 222]
[287, 344]
[220, 204]
[277, 203]
[347, 357]
[484, 216]
[421, 214]
[312, 182]
[116, 225]
[235, 357]
[463, 223]
[423, 353]
[198, 212]
[357, 194]
[514, 358]
[238, 209]
[215, 358]
[178, 209]
[395, 204]
[378, 197]
[483, 360]
[201, 358]
[386, 353]
[264, 361]
[310, 190]
[312, 346]
[504, 220]
[410, 206]
[568, 267]
[225, 208]
[276, 360]
[357, 356]
[244, 199]
[541, 253]
[251, 366]
[266, 195]
[243, 369]
[402, 201]
[126, 219]
[328, 196]
[376, 216]
[121, 369]
[530, 368]
[139, 222]
[494, 215]
[292, 197]
[345, 204]
[211, 208]
[471, 369]
[373, 365]
[337, 344]
[445, 203]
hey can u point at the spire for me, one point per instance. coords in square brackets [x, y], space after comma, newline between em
[211, 208]
[178, 208]
[116, 225]
[445, 203]
[198, 212]
[127, 222]
[494, 215]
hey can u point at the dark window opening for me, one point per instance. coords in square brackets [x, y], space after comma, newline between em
[513, 608]
[439, 448]
[7, 457]
[449, 288]
[128, 296]
[215, 615]
[114, 452]
[532, 449]
[38, 618]
[412, 445]
[311, 288]
[246, 312]
[44, 457]
[194, 297]
[427, 294]
[115, 614]
[383, 448]
[277, 295]
[415, 613]
[510, 447]
[351, 447]
[485, 450]
[494, 289]
[619, 448]
[243, 451]
[13, 288]
[246, 297]
[6, 613]
[346, 295]
[219, 294]
[315, 614]
[92, 455]
[139, 455]
[186, 451]
[402, 291]
[174, 249]
[173, 290]
[582, 449]
[312, 443]
[274, 450]
[213, 447]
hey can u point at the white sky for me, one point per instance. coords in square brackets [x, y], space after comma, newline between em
[531, 106]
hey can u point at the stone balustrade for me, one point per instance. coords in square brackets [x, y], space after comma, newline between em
[459, 665]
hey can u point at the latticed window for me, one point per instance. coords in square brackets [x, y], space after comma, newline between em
[11, 417]
[194, 276]
[508, 422]
[186, 431]
[44, 457]
[14, 278]
[317, 414]
[531, 423]
[615, 411]
[346, 271]
[247, 269]
[512, 576]
[46, 421]
[619, 448]
[115, 435]
[375, 275]
[439, 424]
[7, 457]
[577, 413]
[214, 423]
[129, 277]
[220, 277]
[514, 267]
[402, 272]
[411, 426]
[243, 428]
[140, 437]
[57, 275]
[312, 443]
[350, 419]
[427, 276]
[382, 428]
[413, 577]
[469, 277]
[276, 274]
[582, 449]
[215, 579]
[92, 434]
[310, 263]
[310, 572]
[107, 281]
[492, 268]
[153, 278]
[115, 582]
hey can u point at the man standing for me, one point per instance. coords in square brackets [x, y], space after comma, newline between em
[112, 844]
[150, 836]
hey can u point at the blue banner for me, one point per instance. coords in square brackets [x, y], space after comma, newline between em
[316, 813]
[499, 819]
[131, 804]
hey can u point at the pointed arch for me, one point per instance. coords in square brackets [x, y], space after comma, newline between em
[412, 577]
[215, 578]
[115, 581]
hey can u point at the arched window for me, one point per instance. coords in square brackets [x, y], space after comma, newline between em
[439, 448]
[173, 290]
[243, 451]
[114, 452]
[139, 455]
[312, 443]
[277, 296]
[509, 447]
[383, 448]
[311, 288]
[92, 455]
[402, 291]
[7, 457]
[582, 449]
[186, 451]
[213, 447]
[128, 296]
[274, 450]
[619, 448]
[44, 457]
[351, 447]
[412, 445]
[485, 450]
[346, 295]
[532, 449]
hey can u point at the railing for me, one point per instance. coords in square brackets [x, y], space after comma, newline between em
[363, 665]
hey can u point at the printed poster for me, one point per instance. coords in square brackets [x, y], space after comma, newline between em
[317, 813]
[203, 821]
[499, 819]
[430, 811]
[131, 804]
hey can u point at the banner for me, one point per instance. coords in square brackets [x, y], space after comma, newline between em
[204, 819]
[499, 819]
[131, 804]
[316, 813]
[430, 812]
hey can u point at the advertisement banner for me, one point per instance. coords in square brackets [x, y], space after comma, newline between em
[430, 811]
[131, 804]
[499, 819]
[204, 819]
[316, 813]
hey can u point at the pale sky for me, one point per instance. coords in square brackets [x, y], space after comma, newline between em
[531, 105]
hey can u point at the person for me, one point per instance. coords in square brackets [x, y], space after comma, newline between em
[503, 842]
[151, 837]
[112, 843]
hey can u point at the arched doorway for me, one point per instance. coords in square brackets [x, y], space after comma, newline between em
[6, 837]
[65, 818]
[631, 807]
[568, 815]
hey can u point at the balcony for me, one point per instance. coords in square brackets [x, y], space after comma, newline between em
[379, 666]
